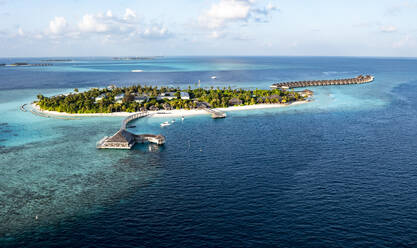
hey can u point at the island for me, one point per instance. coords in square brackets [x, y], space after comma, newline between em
[140, 98]
[56, 60]
[27, 64]
[139, 101]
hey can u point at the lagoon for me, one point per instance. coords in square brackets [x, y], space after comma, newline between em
[337, 171]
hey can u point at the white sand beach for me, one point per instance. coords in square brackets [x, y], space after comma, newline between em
[167, 113]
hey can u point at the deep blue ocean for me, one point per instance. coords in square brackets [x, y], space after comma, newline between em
[340, 171]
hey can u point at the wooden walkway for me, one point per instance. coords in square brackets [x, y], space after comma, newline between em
[298, 84]
[215, 113]
[122, 139]
[133, 117]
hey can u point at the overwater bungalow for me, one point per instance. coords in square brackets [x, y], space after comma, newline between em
[357, 80]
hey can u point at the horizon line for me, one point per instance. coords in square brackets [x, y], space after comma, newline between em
[231, 56]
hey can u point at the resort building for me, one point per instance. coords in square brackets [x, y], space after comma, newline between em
[167, 106]
[140, 98]
[235, 101]
[167, 95]
[120, 140]
[119, 98]
[277, 97]
[111, 87]
[184, 95]
[306, 93]
[100, 98]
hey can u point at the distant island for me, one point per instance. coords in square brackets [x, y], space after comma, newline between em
[26, 64]
[57, 60]
[136, 58]
[148, 98]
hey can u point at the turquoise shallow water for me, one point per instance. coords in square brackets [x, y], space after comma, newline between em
[338, 171]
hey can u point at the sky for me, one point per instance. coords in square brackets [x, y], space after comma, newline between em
[51, 28]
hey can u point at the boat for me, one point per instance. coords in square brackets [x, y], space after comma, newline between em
[137, 70]
[182, 118]
[172, 121]
[213, 77]
[165, 124]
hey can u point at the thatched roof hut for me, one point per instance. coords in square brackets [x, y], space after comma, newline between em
[122, 140]
[235, 101]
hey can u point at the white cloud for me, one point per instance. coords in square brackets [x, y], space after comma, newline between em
[156, 32]
[91, 23]
[229, 11]
[405, 42]
[215, 35]
[109, 26]
[58, 25]
[129, 14]
[399, 8]
[20, 32]
[388, 29]
[224, 11]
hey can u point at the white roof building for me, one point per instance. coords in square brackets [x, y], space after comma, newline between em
[111, 87]
[119, 98]
[100, 97]
[184, 95]
[140, 98]
[167, 95]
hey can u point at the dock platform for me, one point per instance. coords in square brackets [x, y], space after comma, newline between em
[215, 113]
[124, 139]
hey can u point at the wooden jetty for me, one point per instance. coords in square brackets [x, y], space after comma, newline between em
[298, 84]
[124, 139]
[215, 113]
[23, 107]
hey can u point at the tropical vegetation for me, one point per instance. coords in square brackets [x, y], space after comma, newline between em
[103, 100]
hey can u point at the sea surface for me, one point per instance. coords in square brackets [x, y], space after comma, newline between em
[340, 171]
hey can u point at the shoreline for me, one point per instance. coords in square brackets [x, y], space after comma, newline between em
[168, 113]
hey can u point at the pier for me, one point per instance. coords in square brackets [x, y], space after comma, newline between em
[215, 113]
[298, 84]
[124, 139]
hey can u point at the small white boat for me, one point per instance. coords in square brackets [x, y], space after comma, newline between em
[164, 124]
[213, 77]
[137, 70]
[182, 118]
[172, 121]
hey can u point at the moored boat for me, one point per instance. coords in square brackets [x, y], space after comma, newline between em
[164, 124]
